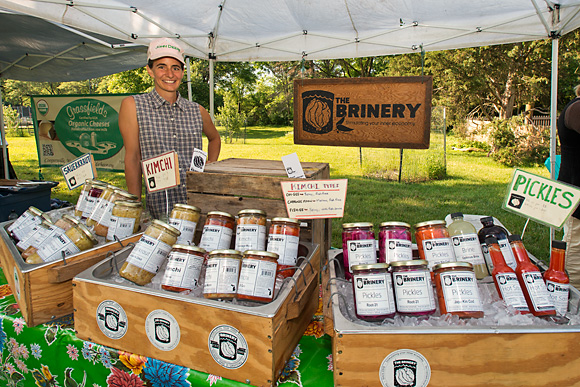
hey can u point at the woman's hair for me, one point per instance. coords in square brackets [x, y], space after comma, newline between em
[150, 64]
[577, 90]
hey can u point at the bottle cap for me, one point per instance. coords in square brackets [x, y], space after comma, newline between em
[457, 215]
[559, 245]
[514, 237]
[486, 219]
[491, 240]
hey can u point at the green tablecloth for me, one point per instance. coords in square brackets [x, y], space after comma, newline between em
[51, 355]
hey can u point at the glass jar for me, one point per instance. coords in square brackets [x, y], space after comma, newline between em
[59, 227]
[100, 205]
[125, 219]
[90, 201]
[183, 268]
[434, 243]
[457, 290]
[104, 219]
[24, 224]
[149, 253]
[222, 274]
[184, 218]
[74, 240]
[358, 245]
[283, 239]
[395, 242]
[251, 230]
[258, 276]
[413, 287]
[217, 231]
[38, 231]
[374, 299]
[81, 201]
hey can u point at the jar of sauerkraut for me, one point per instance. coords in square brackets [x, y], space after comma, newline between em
[251, 230]
[38, 231]
[184, 217]
[59, 227]
[22, 226]
[92, 197]
[125, 219]
[283, 239]
[100, 205]
[183, 268]
[76, 239]
[222, 274]
[81, 201]
[217, 231]
[149, 253]
[103, 218]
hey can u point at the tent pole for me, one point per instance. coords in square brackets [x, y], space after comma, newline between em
[211, 85]
[3, 138]
[188, 64]
[553, 112]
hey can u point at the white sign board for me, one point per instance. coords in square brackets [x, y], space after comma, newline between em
[77, 171]
[293, 167]
[161, 172]
[198, 160]
[315, 199]
[544, 200]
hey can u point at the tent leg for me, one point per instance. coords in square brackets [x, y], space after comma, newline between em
[189, 94]
[3, 138]
[553, 112]
[211, 85]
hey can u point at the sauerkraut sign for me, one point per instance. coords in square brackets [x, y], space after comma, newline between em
[68, 127]
[391, 112]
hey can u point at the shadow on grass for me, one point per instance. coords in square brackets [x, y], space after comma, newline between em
[259, 133]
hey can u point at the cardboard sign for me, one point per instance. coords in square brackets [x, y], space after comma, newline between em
[393, 112]
[161, 172]
[198, 160]
[314, 199]
[544, 200]
[77, 171]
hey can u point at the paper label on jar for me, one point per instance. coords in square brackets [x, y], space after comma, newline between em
[89, 206]
[120, 227]
[460, 291]
[36, 231]
[215, 237]
[39, 235]
[438, 251]
[99, 209]
[221, 276]
[361, 252]
[508, 255]
[468, 249]
[53, 249]
[80, 207]
[398, 250]
[537, 291]
[25, 227]
[149, 253]
[187, 228]
[286, 246]
[257, 278]
[250, 237]
[22, 220]
[511, 291]
[559, 295]
[182, 270]
[374, 294]
[413, 292]
[103, 214]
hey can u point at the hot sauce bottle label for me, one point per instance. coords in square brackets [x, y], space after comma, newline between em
[361, 252]
[537, 290]
[438, 251]
[487, 257]
[511, 292]
[508, 255]
[55, 247]
[149, 253]
[286, 246]
[215, 238]
[221, 276]
[468, 249]
[414, 292]
[120, 227]
[460, 292]
[559, 295]
[182, 270]
[373, 294]
[250, 237]
[257, 278]
[399, 250]
[187, 229]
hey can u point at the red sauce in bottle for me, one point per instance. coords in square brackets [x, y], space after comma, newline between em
[557, 281]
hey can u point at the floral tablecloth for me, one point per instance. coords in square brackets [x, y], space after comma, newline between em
[51, 355]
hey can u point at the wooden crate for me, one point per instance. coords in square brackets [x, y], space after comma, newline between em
[455, 355]
[232, 185]
[270, 332]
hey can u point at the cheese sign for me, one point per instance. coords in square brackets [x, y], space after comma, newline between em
[161, 172]
[315, 199]
[77, 171]
[544, 200]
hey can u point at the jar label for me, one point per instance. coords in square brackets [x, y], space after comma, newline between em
[460, 291]
[221, 276]
[508, 254]
[89, 206]
[559, 295]
[149, 253]
[215, 238]
[438, 251]
[399, 250]
[250, 237]
[80, 207]
[99, 209]
[23, 219]
[187, 228]
[53, 249]
[361, 252]
[487, 257]
[537, 290]
[414, 292]
[373, 294]
[103, 217]
[120, 227]
[468, 249]
[257, 278]
[286, 246]
[511, 291]
[182, 270]
[40, 236]
[25, 227]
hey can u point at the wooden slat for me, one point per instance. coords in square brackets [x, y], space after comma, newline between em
[241, 185]
[234, 204]
[261, 167]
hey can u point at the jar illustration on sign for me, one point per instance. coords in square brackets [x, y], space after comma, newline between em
[228, 345]
[317, 111]
[112, 319]
[162, 330]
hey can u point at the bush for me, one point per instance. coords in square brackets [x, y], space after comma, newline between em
[436, 167]
[11, 120]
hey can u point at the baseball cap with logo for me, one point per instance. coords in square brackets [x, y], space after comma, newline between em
[163, 47]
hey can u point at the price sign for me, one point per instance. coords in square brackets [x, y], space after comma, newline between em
[314, 199]
[161, 172]
[77, 171]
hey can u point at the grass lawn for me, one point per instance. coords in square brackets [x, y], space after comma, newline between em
[475, 184]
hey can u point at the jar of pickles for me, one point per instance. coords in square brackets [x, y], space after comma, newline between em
[149, 253]
[183, 268]
[217, 231]
[457, 290]
[222, 274]
[59, 227]
[74, 240]
[100, 205]
[358, 245]
[184, 217]
[125, 219]
[434, 242]
[251, 230]
[413, 288]
[104, 219]
[258, 276]
[395, 242]
[283, 239]
[372, 285]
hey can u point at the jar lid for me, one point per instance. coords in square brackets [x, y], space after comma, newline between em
[486, 219]
[400, 224]
[237, 254]
[99, 184]
[413, 262]
[70, 218]
[46, 223]
[370, 266]
[456, 215]
[126, 203]
[125, 194]
[167, 227]
[558, 244]
[187, 207]
[288, 220]
[197, 249]
[221, 213]
[87, 232]
[449, 265]
[353, 225]
[266, 254]
[431, 223]
[35, 211]
[251, 212]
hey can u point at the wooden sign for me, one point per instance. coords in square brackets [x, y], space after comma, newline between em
[161, 172]
[77, 171]
[378, 112]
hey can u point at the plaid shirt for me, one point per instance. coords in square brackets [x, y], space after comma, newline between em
[164, 127]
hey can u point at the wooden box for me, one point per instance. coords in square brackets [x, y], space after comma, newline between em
[232, 185]
[249, 344]
[44, 291]
[519, 355]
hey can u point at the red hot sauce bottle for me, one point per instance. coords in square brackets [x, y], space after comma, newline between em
[531, 281]
[557, 281]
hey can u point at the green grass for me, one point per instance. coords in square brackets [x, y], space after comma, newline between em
[475, 184]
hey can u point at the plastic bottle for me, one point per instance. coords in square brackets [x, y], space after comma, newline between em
[557, 281]
[466, 244]
[531, 281]
[491, 229]
[505, 278]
